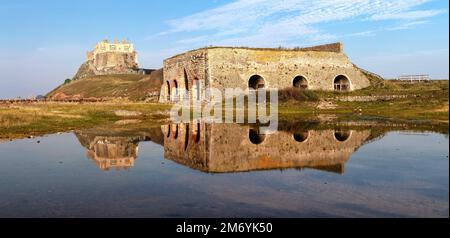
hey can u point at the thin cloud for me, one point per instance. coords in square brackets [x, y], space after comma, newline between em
[267, 22]
[411, 15]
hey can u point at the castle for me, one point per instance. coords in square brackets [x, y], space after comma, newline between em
[109, 58]
[105, 47]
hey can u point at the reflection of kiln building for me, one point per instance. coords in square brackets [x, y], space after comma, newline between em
[225, 148]
[117, 150]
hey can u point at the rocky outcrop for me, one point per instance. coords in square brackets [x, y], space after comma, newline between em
[108, 63]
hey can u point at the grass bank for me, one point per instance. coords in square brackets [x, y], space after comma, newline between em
[34, 119]
[420, 101]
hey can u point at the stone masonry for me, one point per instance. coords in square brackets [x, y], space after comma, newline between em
[324, 67]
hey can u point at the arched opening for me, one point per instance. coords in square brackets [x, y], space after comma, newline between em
[301, 136]
[186, 137]
[168, 90]
[186, 81]
[175, 91]
[196, 92]
[300, 82]
[255, 137]
[341, 83]
[342, 135]
[255, 82]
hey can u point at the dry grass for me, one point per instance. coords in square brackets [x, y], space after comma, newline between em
[296, 94]
[21, 120]
[133, 87]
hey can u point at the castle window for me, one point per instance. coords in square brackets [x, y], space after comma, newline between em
[112, 47]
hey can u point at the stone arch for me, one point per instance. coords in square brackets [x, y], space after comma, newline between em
[255, 136]
[186, 81]
[300, 82]
[255, 82]
[196, 86]
[341, 83]
[342, 136]
[301, 136]
[175, 87]
[168, 90]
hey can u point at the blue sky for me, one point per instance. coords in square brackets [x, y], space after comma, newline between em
[43, 42]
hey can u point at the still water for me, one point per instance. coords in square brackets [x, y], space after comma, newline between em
[226, 170]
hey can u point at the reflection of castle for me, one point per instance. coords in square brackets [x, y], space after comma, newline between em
[223, 148]
[114, 150]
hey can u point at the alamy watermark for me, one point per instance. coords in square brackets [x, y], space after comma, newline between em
[231, 105]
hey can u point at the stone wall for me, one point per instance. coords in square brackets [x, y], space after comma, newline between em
[234, 67]
[228, 67]
[182, 72]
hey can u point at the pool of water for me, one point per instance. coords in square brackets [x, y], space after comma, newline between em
[201, 170]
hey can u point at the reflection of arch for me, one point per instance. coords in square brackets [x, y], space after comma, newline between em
[169, 128]
[300, 82]
[256, 82]
[176, 132]
[255, 137]
[341, 83]
[197, 133]
[186, 137]
[342, 136]
[301, 136]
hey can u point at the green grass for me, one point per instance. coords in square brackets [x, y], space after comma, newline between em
[425, 101]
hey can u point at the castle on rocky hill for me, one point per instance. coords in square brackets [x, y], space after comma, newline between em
[109, 58]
